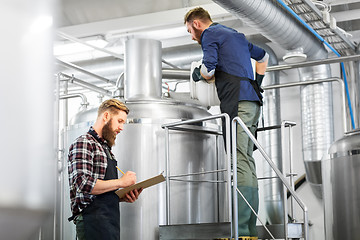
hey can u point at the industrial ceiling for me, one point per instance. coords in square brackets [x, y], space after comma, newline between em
[110, 23]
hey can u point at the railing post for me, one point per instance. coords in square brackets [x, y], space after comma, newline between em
[234, 164]
[285, 205]
[167, 168]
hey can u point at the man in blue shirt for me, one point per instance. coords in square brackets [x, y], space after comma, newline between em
[227, 58]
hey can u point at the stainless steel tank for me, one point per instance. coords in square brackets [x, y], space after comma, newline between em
[140, 147]
[341, 181]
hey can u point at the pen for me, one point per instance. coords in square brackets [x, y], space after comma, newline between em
[119, 170]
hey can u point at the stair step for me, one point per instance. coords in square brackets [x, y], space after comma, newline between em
[223, 231]
[295, 230]
[195, 231]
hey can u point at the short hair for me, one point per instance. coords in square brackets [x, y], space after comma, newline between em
[197, 13]
[113, 105]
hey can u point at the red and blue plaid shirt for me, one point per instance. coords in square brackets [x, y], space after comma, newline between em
[87, 162]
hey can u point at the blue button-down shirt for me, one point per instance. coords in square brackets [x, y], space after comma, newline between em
[229, 51]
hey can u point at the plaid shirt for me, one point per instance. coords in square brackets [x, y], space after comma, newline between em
[87, 163]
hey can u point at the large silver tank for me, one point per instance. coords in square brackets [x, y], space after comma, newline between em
[140, 147]
[341, 181]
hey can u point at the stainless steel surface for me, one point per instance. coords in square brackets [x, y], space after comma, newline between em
[225, 191]
[341, 188]
[143, 147]
[234, 123]
[28, 146]
[294, 230]
[142, 69]
[195, 231]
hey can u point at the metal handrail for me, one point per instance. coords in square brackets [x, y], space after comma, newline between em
[317, 81]
[234, 123]
[225, 117]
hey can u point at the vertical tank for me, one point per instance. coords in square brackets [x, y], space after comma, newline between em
[341, 180]
[140, 147]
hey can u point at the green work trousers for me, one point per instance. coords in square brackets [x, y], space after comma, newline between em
[249, 113]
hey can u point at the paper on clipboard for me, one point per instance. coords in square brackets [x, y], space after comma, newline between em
[144, 184]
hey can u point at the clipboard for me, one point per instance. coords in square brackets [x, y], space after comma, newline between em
[144, 184]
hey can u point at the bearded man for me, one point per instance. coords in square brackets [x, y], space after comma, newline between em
[93, 176]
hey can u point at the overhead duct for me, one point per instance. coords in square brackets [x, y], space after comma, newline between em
[276, 24]
[281, 27]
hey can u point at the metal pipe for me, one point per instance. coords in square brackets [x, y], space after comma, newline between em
[284, 192]
[256, 213]
[142, 69]
[234, 164]
[167, 168]
[313, 63]
[86, 85]
[183, 74]
[292, 174]
[295, 84]
[276, 170]
[190, 121]
[75, 95]
[80, 69]
[228, 158]
[198, 173]
[202, 181]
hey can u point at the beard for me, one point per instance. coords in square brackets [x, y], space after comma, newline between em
[108, 134]
[197, 34]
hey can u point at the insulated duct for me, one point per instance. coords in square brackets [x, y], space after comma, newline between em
[274, 22]
[278, 25]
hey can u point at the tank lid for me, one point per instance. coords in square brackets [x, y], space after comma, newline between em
[349, 144]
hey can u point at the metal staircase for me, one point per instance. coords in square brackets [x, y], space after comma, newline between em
[227, 229]
[323, 24]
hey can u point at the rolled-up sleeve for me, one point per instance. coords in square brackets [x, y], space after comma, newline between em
[256, 52]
